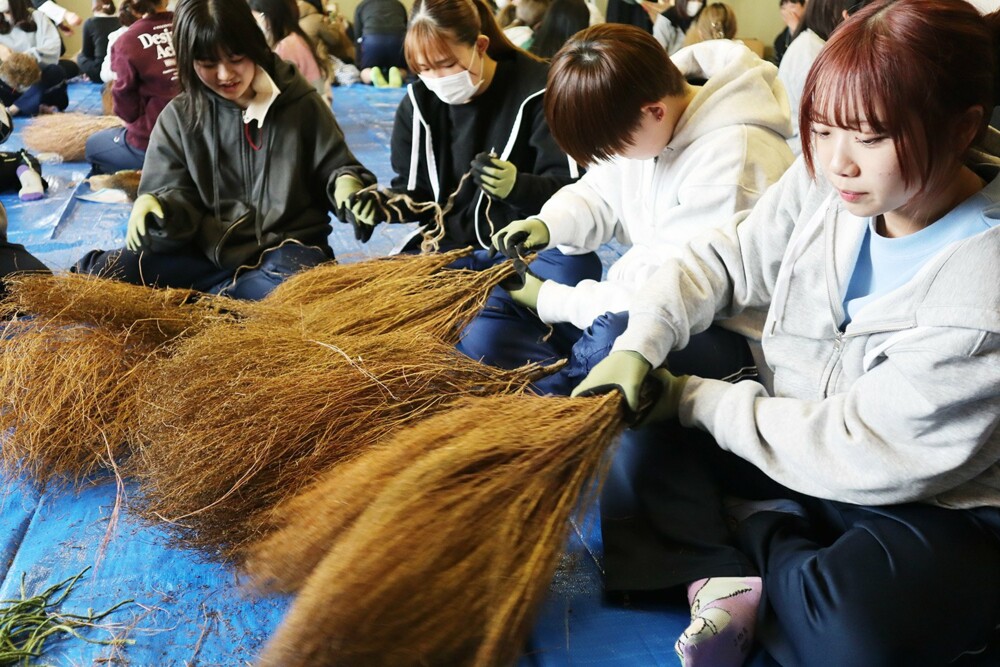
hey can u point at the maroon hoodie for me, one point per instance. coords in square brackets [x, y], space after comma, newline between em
[145, 75]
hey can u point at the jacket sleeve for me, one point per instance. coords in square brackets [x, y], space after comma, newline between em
[580, 216]
[551, 168]
[87, 43]
[333, 157]
[166, 176]
[47, 40]
[125, 91]
[107, 71]
[719, 273]
[668, 34]
[918, 424]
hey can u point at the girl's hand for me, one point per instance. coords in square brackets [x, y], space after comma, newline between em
[5, 52]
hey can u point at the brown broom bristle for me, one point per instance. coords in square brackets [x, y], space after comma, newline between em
[440, 304]
[65, 133]
[328, 279]
[446, 563]
[126, 180]
[243, 416]
[68, 395]
[156, 315]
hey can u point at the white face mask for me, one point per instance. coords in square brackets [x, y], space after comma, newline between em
[452, 89]
[692, 8]
[4, 6]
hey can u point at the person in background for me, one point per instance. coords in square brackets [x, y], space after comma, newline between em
[279, 19]
[528, 14]
[145, 67]
[716, 21]
[25, 30]
[791, 14]
[243, 169]
[379, 31]
[94, 48]
[850, 516]
[126, 17]
[819, 20]
[562, 20]
[671, 20]
[329, 36]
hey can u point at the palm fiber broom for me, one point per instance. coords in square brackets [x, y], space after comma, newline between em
[65, 133]
[67, 396]
[242, 417]
[446, 559]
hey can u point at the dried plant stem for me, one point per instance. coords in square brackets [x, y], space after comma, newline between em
[28, 623]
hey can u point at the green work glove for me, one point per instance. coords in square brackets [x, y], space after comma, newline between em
[495, 176]
[624, 371]
[137, 233]
[520, 236]
[665, 407]
[523, 286]
[343, 188]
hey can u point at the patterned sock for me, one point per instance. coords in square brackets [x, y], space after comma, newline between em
[31, 184]
[723, 617]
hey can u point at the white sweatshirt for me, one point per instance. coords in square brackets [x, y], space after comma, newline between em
[727, 148]
[792, 72]
[43, 44]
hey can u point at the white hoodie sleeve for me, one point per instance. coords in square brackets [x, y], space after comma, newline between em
[668, 35]
[917, 425]
[581, 216]
[47, 42]
[720, 273]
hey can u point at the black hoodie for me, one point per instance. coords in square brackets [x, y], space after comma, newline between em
[509, 118]
[232, 200]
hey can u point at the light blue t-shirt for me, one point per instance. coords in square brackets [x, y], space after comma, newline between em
[887, 263]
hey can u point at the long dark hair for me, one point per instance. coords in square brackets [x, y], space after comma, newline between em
[140, 8]
[203, 29]
[21, 13]
[562, 20]
[283, 20]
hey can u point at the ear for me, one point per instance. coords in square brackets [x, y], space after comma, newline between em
[656, 110]
[482, 43]
[969, 123]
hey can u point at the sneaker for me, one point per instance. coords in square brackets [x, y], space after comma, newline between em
[378, 79]
[395, 78]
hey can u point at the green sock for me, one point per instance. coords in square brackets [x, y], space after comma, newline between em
[395, 78]
[378, 80]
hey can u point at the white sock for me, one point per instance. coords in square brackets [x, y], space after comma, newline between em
[31, 184]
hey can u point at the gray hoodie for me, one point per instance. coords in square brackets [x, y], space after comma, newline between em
[903, 405]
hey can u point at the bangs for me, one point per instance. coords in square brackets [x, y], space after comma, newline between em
[850, 96]
[207, 41]
[427, 43]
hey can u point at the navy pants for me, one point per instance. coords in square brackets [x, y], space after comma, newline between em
[843, 584]
[381, 50]
[190, 269]
[108, 151]
[507, 335]
[50, 89]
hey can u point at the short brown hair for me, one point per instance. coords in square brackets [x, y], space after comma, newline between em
[910, 68]
[598, 82]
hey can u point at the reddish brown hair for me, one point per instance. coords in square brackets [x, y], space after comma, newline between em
[910, 68]
[433, 23]
[598, 83]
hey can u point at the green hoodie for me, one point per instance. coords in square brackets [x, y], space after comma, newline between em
[232, 200]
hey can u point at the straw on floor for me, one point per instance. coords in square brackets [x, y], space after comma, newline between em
[446, 555]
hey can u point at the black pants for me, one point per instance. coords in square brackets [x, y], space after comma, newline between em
[14, 258]
[191, 269]
[844, 585]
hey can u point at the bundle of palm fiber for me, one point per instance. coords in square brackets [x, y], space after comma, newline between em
[68, 394]
[443, 541]
[241, 417]
[328, 279]
[153, 315]
[440, 304]
[126, 180]
[65, 133]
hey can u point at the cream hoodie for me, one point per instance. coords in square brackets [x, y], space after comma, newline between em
[727, 148]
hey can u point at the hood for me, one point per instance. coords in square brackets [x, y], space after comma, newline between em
[740, 89]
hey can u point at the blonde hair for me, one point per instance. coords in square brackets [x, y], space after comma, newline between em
[716, 21]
